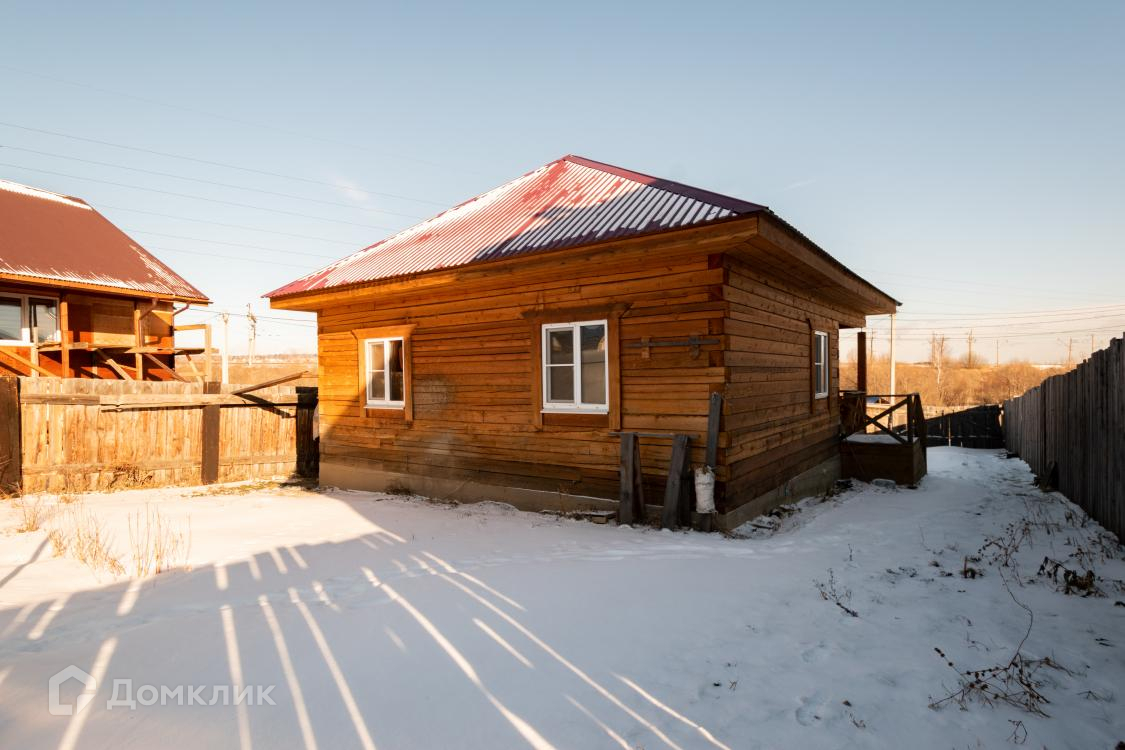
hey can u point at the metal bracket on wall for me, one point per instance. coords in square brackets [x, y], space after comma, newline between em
[695, 342]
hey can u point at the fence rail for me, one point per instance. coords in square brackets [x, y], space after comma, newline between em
[1071, 431]
[71, 435]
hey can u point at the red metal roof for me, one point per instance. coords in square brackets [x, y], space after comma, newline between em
[47, 237]
[571, 201]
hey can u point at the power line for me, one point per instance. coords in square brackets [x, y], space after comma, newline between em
[1008, 287]
[197, 197]
[234, 226]
[157, 248]
[215, 184]
[227, 118]
[232, 244]
[1110, 309]
[211, 163]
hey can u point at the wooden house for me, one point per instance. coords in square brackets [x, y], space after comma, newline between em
[79, 298]
[501, 349]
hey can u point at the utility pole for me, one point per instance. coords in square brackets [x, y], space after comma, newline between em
[891, 416]
[1070, 352]
[253, 326]
[226, 347]
[971, 350]
[1091, 345]
[997, 352]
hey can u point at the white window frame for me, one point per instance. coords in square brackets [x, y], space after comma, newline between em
[25, 318]
[385, 402]
[821, 373]
[578, 405]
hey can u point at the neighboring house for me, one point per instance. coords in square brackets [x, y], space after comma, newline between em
[498, 349]
[79, 298]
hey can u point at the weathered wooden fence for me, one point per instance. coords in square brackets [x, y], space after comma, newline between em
[78, 435]
[974, 427]
[1071, 431]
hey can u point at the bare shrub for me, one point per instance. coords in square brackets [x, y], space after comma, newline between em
[32, 514]
[1000, 550]
[840, 597]
[1070, 581]
[80, 534]
[1015, 683]
[156, 545]
[129, 476]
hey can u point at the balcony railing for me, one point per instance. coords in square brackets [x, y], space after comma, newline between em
[900, 416]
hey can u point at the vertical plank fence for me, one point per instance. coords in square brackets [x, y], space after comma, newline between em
[1071, 432]
[74, 435]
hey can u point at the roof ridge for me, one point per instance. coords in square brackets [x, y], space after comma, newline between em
[569, 201]
[33, 192]
[688, 191]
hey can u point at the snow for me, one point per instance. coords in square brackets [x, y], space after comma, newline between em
[393, 622]
[15, 187]
[874, 437]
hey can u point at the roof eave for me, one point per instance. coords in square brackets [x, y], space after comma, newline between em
[277, 301]
[44, 281]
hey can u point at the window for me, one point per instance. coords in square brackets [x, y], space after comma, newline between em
[44, 319]
[575, 367]
[21, 316]
[386, 383]
[820, 363]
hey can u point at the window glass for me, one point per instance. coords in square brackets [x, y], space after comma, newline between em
[593, 364]
[44, 319]
[560, 383]
[376, 372]
[11, 318]
[560, 346]
[395, 373]
[820, 363]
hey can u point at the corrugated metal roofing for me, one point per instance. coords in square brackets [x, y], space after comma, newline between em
[571, 201]
[49, 237]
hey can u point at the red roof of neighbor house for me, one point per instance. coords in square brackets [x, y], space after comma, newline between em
[571, 201]
[46, 237]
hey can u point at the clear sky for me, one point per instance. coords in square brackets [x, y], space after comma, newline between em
[969, 158]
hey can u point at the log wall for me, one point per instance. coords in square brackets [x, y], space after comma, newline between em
[474, 361]
[775, 428]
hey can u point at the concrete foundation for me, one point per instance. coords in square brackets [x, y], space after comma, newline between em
[815, 481]
[354, 476]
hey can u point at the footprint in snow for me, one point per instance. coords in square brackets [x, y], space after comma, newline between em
[810, 710]
[817, 653]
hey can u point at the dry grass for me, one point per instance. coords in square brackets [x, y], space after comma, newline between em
[78, 533]
[33, 513]
[129, 477]
[155, 544]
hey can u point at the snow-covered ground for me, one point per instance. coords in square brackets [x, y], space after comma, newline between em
[395, 623]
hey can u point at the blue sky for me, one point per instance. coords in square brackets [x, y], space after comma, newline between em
[967, 158]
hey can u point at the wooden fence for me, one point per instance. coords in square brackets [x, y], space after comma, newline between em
[71, 435]
[1071, 431]
[970, 427]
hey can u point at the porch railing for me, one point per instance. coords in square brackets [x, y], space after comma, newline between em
[900, 417]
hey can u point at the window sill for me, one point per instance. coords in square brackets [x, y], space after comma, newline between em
[555, 418]
[386, 409]
[819, 396]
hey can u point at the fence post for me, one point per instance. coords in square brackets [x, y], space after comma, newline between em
[212, 417]
[11, 456]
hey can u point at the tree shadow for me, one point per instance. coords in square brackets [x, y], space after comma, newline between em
[377, 640]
